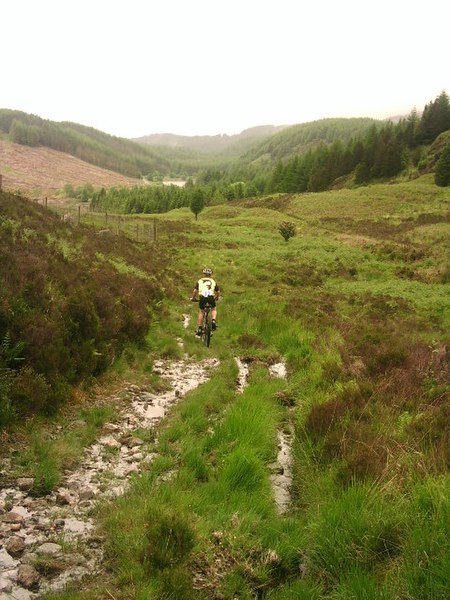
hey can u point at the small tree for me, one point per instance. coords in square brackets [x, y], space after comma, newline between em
[287, 230]
[197, 202]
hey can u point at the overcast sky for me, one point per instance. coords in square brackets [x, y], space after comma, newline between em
[197, 67]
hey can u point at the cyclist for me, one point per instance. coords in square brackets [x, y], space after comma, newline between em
[207, 291]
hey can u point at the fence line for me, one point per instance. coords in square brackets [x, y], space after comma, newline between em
[113, 223]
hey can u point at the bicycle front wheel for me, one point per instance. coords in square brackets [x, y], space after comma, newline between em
[207, 333]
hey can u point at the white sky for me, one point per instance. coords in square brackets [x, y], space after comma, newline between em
[197, 67]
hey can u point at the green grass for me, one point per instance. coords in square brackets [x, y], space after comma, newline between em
[357, 305]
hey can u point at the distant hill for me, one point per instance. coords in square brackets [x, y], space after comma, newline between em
[298, 139]
[213, 144]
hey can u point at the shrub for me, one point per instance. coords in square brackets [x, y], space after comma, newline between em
[287, 230]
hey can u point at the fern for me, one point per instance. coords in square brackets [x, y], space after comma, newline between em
[10, 354]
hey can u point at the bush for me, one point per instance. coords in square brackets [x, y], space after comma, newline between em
[287, 230]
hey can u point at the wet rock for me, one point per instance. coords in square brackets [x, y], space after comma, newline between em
[49, 549]
[15, 546]
[21, 594]
[278, 370]
[7, 561]
[28, 577]
[5, 585]
[13, 518]
[77, 526]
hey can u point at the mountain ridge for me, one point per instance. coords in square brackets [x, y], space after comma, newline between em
[215, 144]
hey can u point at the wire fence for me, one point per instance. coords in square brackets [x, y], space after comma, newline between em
[105, 221]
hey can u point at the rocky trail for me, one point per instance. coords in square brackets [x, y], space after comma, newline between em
[48, 542]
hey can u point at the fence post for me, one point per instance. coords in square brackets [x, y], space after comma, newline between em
[154, 230]
[106, 218]
[79, 213]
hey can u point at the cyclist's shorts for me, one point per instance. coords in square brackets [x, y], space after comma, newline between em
[203, 301]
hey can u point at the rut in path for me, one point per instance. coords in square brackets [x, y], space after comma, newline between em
[281, 469]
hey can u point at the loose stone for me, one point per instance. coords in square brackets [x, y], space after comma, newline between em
[49, 549]
[15, 546]
[12, 517]
[28, 577]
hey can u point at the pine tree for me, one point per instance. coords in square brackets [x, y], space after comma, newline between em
[435, 118]
[197, 202]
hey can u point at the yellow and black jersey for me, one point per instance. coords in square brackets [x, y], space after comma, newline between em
[206, 287]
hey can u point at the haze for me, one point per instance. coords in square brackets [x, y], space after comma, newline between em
[207, 67]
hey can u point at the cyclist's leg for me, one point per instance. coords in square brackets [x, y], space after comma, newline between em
[213, 314]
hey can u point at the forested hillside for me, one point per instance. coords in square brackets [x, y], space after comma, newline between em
[408, 149]
[230, 145]
[86, 143]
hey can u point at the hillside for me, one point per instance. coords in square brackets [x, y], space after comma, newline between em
[86, 143]
[41, 171]
[298, 139]
[213, 144]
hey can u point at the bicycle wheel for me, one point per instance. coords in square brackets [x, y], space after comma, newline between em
[207, 328]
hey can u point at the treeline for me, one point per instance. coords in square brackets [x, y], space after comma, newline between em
[65, 311]
[382, 152]
[162, 198]
[86, 143]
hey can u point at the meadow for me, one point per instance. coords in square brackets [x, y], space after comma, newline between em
[357, 305]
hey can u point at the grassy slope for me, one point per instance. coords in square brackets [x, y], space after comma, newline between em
[357, 304]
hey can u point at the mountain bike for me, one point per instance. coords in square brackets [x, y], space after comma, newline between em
[207, 325]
